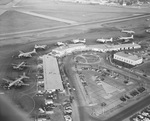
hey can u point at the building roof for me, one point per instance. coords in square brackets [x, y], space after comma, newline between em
[129, 56]
[60, 51]
[106, 46]
[52, 78]
[70, 47]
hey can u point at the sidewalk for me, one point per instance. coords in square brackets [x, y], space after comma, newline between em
[75, 112]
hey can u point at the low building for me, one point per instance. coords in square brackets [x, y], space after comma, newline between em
[128, 58]
[106, 47]
[52, 77]
[65, 50]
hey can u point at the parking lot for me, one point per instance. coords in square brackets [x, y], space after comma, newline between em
[143, 115]
[105, 88]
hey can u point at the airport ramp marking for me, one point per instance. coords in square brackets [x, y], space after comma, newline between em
[48, 17]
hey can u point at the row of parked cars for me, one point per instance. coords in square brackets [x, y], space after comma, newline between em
[67, 110]
[143, 115]
[132, 94]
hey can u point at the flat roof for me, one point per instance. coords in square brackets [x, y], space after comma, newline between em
[129, 56]
[52, 78]
[69, 46]
[106, 46]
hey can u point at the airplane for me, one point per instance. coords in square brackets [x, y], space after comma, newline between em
[27, 54]
[19, 66]
[60, 44]
[40, 47]
[128, 31]
[104, 40]
[18, 82]
[78, 41]
[125, 38]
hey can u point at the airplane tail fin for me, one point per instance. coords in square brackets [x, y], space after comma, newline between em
[34, 50]
[24, 75]
[132, 36]
[111, 39]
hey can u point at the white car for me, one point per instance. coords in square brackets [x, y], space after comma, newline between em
[147, 30]
[67, 118]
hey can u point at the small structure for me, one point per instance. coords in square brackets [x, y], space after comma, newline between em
[128, 58]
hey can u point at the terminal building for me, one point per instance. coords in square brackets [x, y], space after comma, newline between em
[52, 78]
[128, 58]
[65, 50]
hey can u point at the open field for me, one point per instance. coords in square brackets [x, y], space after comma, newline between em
[12, 21]
[64, 6]
[81, 16]
[4, 2]
[76, 12]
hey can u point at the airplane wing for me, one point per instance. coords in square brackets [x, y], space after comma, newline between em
[7, 80]
[23, 84]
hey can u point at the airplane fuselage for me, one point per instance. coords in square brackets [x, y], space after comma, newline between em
[126, 38]
[104, 40]
[40, 46]
[27, 54]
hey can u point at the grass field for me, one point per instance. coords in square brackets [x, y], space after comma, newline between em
[4, 2]
[24, 101]
[64, 6]
[80, 16]
[134, 23]
[77, 12]
[12, 21]
[144, 68]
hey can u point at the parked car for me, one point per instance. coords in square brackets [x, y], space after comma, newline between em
[68, 118]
